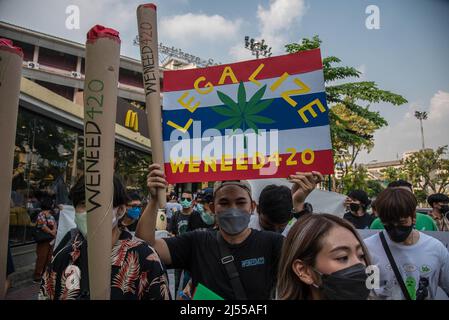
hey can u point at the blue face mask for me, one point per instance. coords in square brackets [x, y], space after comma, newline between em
[134, 213]
[186, 203]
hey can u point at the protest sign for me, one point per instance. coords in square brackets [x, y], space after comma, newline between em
[256, 119]
[100, 105]
[10, 74]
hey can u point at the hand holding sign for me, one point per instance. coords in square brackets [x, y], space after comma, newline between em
[156, 179]
[303, 185]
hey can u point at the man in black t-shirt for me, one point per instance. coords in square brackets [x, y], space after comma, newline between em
[357, 202]
[255, 253]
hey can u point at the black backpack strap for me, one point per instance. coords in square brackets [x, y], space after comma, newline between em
[394, 266]
[227, 259]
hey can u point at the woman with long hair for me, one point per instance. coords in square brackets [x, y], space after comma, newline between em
[323, 257]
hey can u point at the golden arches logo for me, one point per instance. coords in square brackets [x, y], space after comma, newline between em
[132, 120]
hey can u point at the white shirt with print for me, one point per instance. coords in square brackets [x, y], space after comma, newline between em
[424, 266]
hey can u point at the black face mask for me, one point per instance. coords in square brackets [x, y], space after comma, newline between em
[345, 284]
[354, 207]
[444, 209]
[399, 233]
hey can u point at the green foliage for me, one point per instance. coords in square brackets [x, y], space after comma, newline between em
[428, 170]
[391, 174]
[352, 122]
[374, 188]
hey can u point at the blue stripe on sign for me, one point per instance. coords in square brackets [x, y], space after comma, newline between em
[285, 116]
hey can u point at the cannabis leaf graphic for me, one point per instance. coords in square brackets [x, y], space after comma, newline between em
[243, 114]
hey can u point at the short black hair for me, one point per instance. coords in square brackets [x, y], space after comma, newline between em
[437, 197]
[77, 193]
[400, 183]
[133, 196]
[46, 203]
[188, 191]
[360, 195]
[275, 203]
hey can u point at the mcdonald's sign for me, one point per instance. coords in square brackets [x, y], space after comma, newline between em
[132, 120]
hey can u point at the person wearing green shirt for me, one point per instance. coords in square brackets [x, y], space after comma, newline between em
[423, 221]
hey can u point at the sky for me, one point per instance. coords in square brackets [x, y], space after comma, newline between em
[408, 54]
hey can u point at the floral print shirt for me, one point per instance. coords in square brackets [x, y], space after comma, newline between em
[136, 271]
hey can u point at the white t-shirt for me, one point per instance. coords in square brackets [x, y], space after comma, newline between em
[171, 208]
[254, 222]
[424, 266]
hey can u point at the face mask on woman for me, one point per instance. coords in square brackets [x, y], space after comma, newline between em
[345, 284]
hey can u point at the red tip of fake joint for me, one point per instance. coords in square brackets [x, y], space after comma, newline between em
[99, 31]
[6, 45]
[150, 5]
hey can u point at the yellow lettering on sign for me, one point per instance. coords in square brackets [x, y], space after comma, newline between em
[290, 161]
[177, 166]
[212, 164]
[178, 127]
[241, 162]
[258, 161]
[227, 72]
[194, 164]
[309, 107]
[311, 156]
[303, 88]
[202, 90]
[275, 158]
[188, 104]
[253, 76]
[279, 81]
[226, 162]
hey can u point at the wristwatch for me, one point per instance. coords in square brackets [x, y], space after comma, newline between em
[307, 209]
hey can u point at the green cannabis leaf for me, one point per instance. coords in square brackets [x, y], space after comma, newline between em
[243, 113]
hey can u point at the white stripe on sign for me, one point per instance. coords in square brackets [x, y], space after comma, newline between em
[266, 143]
[313, 80]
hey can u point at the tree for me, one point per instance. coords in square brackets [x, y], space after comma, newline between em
[357, 178]
[352, 122]
[428, 170]
[391, 174]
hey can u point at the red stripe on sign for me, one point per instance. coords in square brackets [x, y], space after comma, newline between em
[301, 62]
[323, 162]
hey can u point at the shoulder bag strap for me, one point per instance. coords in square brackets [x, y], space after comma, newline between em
[227, 259]
[394, 266]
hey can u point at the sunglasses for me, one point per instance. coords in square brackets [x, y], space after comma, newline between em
[184, 199]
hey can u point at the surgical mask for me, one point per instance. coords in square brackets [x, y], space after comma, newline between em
[116, 218]
[81, 222]
[354, 207]
[134, 213]
[399, 233]
[233, 221]
[345, 284]
[186, 203]
[205, 216]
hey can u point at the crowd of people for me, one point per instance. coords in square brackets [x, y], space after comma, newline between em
[278, 248]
